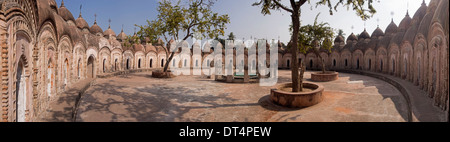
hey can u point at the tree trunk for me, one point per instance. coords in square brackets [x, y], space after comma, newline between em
[322, 63]
[166, 66]
[321, 60]
[302, 72]
[295, 74]
[323, 66]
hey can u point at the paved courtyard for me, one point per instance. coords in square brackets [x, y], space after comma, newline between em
[139, 97]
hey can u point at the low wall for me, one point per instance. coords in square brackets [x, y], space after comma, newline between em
[106, 75]
[297, 99]
[394, 83]
[328, 76]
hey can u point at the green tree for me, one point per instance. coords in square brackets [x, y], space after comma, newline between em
[315, 37]
[294, 9]
[180, 21]
[220, 40]
[341, 33]
[130, 40]
[231, 36]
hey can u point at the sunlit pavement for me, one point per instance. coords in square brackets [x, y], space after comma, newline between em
[139, 97]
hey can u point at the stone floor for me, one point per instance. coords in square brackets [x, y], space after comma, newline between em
[140, 98]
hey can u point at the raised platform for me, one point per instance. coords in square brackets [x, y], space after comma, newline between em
[297, 99]
[324, 77]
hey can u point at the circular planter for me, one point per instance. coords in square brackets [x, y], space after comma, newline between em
[324, 77]
[161, 74]
[297, 99]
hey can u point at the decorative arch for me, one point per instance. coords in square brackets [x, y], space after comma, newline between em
[358, 57]
[346, 57]
[90, 69]
[394, 55]
[382, 60]
[438, 54]
[21, 46]
[407, 54]
[420, 46]
[105, 59]
[369, 58]
[335, 57]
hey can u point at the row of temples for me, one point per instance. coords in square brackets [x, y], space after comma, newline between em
[45, 50]
[416, 50]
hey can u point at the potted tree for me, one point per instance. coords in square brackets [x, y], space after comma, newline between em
[297, 96]
[317, 38]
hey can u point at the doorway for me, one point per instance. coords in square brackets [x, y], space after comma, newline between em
[151, 63]
[90, 67]
[20, 93]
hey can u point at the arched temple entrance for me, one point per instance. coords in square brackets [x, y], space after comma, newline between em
[115, 65]
[151, 63]
[128, 64]
[139, 63]
[21, 92]
[90, 67]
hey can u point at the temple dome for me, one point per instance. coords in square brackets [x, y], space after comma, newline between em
[420, 13]
[122, 36]
[138, 47]
[377, 33]
[405, 23]
[339, 39]
[65, 13]
[95, 28]
[364, 35]
[109, 32]
[81, 23]
[352, 37]
[392, 28]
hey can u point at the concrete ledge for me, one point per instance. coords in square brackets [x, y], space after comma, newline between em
[297, 99]
[420, 107]
[107, 75]
[328, 76]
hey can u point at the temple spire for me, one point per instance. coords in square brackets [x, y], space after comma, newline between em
[122, 28]
[109, 27]
[62, 3]
[392, 16]
[378, 22]
[407, 9]
[95, 15]
[364, 25]
[81, 6]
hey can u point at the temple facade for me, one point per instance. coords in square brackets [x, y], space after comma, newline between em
[45, 50]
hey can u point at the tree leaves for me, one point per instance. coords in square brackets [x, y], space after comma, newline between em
[317, 35]
[194, 19]
[175, 18]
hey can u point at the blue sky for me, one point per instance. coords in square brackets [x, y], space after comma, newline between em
[246, 20]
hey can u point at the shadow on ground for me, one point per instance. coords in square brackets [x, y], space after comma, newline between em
[154, 103]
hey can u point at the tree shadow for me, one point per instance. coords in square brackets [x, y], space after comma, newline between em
[383, 88]
[154, 103]
[61, 108]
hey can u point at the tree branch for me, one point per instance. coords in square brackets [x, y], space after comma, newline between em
[282, 6]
